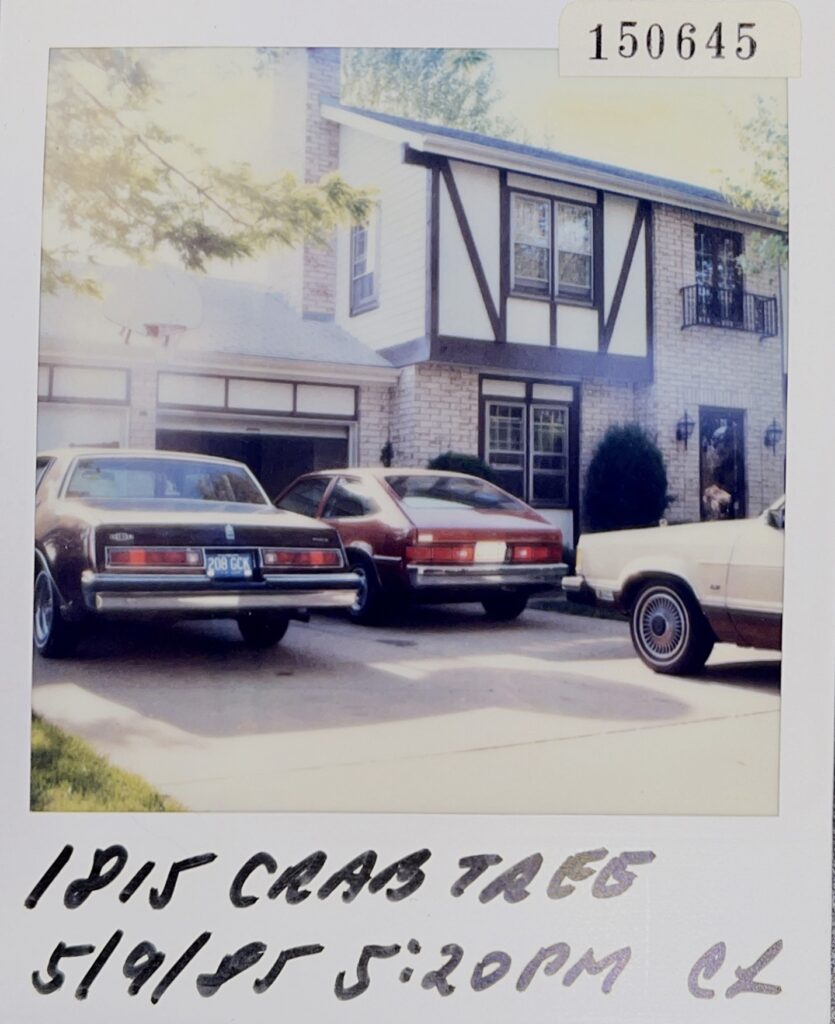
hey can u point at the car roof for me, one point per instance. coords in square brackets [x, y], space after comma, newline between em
[130, 453]
[378, 472]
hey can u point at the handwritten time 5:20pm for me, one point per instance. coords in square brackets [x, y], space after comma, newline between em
[259, 877]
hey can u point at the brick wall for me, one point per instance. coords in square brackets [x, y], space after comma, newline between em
[434, 409]
[709, 366]
[375, 404]
[321, 156]
[142, 423]
[603, 405]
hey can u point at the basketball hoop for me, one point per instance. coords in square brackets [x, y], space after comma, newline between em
[158, 303]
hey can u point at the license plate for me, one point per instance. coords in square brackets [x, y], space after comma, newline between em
[490, 551]
[229, 566]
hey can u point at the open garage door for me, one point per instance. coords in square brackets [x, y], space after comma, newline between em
[275, 458]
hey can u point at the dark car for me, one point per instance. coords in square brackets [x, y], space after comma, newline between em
[159, 534]
[432, 536]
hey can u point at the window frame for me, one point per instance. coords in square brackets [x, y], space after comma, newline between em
[371, 232]
[553, 293]
[529, 403]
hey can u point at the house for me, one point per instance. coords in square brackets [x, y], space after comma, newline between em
[502, 300]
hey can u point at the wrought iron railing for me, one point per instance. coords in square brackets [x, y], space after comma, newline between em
[727, 307]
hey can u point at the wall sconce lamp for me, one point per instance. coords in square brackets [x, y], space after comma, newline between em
[771, 438]
[684, 429]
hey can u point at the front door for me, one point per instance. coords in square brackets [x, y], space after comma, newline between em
[722, 463]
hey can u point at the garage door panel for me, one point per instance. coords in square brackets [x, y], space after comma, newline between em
[61, 426]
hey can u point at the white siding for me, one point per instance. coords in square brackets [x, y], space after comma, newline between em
[577, 328]
[618, 217]
[479, 191]
[528, 321]
[461, 311]
[401, 191]
[630, 334]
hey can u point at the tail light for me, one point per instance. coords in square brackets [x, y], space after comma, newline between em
[308, 558]
[441, 554]
[535, 552]
[154, 558]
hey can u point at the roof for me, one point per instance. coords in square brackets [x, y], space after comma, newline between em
[236, 318]
[101, 452]
[561, 163]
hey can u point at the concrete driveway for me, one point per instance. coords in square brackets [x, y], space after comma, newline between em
[439, 711]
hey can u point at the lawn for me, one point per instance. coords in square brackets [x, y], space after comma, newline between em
[68, 776]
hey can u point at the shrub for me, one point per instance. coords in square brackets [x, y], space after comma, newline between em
[460, 462]
[626, 484]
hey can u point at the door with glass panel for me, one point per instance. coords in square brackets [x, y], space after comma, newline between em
[505, 429]
[549, 455]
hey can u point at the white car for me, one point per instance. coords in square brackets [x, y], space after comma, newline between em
[685, 587]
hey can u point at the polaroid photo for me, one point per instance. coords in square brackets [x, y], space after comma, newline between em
[413, 611]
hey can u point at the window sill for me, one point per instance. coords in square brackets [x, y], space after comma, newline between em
[556, 300]
[366, 307]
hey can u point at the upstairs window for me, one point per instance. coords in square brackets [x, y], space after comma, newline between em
[719, 290]
[364, 271]
[552, 248]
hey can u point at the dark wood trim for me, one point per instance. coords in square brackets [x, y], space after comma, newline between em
[420, 158]
[650, 282]
[472, 251]
[626, 266]
[539, 359]
[597, 270]
[434, 251]
[504, 253]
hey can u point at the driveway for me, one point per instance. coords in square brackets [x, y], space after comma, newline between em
[439, 711]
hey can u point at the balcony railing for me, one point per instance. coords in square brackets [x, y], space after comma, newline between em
[727, 307]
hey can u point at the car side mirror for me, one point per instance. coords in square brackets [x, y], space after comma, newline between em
[777, 517]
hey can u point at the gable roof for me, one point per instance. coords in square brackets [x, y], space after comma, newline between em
[429, 137]
[236, 319]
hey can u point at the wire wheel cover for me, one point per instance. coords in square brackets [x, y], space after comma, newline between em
[663, 625]
[44, 609]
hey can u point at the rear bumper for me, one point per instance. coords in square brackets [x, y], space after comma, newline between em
[485, 577]
[198, 595]
[579, 590]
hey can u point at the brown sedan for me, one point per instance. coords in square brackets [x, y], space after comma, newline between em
[432, 536]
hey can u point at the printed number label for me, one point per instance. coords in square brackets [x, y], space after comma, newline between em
[721, 41]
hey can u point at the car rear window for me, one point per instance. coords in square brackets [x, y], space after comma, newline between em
[105, 478]
[451, 492]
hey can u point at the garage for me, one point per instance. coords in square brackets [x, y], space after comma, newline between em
[276, 454]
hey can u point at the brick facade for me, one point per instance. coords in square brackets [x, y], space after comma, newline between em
[434, 409]
[374, 415]
[709, 366]
[321, 156]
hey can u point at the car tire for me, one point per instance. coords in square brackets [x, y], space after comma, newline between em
[52, 635]
[669, 630]
[262, 629]
[504, 607]
[369, 608]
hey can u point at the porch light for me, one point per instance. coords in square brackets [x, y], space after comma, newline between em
[684, 429]
[771, 438]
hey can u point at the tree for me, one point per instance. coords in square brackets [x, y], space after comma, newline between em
[626, 484]
[115, 177]
[460, 462]
[765, 136]
[454, 88]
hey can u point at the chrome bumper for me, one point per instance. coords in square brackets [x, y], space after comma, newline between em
[574, 584]
[136, 592]
[496, 575]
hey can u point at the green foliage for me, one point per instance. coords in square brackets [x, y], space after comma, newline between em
[626, 483]
[116, 177]
[766, 137]
[449, 87]
[460, 462]
[68, 776]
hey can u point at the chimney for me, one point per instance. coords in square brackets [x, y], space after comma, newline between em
[321, 156]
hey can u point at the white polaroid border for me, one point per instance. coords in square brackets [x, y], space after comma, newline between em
[746, 882]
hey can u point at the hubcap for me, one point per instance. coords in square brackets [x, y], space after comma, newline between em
[44, 610]
[362, 592]
[662, 626]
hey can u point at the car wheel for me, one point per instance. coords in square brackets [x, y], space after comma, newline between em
[368, 608]
[669, 631]
[504, 607]
[53, 636]
[262, 629]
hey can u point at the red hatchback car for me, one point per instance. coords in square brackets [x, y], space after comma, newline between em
[432, 536]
